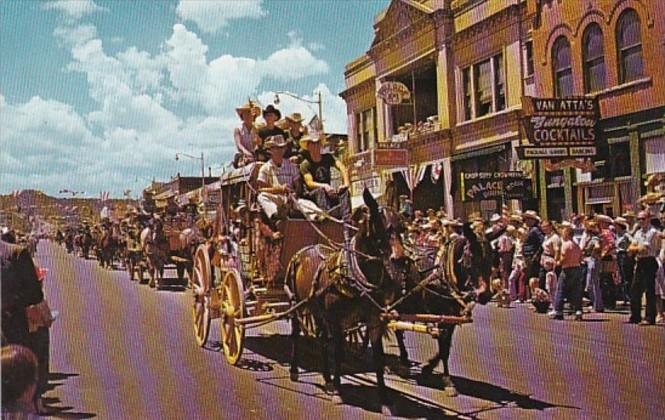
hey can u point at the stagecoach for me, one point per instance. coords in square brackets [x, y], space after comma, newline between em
[230, 280]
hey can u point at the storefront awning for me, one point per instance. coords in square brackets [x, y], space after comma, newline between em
[599, 200]
[479, 152]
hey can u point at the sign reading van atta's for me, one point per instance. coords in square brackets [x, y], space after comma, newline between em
[559, 127]
[511, 185]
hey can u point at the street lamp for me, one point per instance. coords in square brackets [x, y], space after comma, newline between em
[203, 174]
[317, 102]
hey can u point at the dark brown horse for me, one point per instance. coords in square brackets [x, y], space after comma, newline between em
[461, 276]
[338, 300]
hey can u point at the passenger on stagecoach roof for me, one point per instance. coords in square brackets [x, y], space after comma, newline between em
[245, 136]
[270, 115]
[294, 132]
[316, 172]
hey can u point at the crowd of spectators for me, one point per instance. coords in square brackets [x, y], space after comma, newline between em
[588, 260]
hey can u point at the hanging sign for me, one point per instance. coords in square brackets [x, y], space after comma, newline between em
[393, 93]
[478, 186]
[559, 128]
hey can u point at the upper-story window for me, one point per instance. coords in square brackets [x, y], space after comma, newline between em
[528, 53]
[365, 129]
[562, 68]
[594, 59]
[629, 46]
[483, 88]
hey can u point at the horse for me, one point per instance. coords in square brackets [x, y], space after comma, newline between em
[154, 245]
[461, 276]
[338, 301]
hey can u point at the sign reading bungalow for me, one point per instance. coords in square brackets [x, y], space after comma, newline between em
[559, 127]
[512, 185]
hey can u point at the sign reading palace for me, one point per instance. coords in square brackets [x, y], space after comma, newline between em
[559, 127]
[478, 186]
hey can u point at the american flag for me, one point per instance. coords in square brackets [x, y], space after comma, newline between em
[103, 196]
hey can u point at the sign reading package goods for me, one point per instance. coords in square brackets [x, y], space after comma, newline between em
[478, 186]
[559, 127]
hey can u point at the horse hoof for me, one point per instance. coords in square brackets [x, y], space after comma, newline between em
[330, 388]
[450, 391]
[294, 376]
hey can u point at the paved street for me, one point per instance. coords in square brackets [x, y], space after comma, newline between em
[121, 350]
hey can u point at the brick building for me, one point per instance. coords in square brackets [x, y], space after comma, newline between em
[612, 50]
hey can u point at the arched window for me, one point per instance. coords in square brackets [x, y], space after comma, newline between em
[562, 68]
[594, 59]
[629, 46]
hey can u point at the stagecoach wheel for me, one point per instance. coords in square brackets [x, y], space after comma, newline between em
[232, 308]
[200, 310]
[200, 290]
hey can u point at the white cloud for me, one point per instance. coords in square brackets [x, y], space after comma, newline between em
[213, 15]
[316, 46]
[74, 9]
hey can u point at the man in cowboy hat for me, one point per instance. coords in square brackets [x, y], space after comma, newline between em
[316, 172]
[608, 264]
[625, 261]
[295, 131]
[271, 115]
[245, 136]
[276, 179]
[532, 247]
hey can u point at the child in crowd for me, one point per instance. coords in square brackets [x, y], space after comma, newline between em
[501, 295]
[539, 297]
[550, 277]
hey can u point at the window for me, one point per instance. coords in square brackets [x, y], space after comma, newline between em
[466, 81]
[528, 49]
[365, 129]
[483, 88]
[499, 83]
[562, 68]
[594, 59]
[629, 47]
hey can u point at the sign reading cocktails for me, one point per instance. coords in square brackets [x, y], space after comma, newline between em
[511, 185]
[559, 127]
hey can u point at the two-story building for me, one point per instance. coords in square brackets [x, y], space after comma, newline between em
[439, 93]
[614, 51]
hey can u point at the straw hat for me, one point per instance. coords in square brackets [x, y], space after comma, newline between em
[621, 221]
[295, 117]
[275, 141]
[248, 106]
[601, 218]
[314, 137]
[530, 214]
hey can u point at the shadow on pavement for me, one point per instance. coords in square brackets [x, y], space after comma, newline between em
[52, 404]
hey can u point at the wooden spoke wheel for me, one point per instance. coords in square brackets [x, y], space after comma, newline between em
[232, 308]
[200, 291]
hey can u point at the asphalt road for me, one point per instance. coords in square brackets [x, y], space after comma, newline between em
[120, 350]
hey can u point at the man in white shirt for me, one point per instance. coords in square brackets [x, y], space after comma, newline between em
[277, 178]
[646, 241]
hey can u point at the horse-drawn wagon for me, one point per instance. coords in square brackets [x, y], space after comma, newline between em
[238, 275]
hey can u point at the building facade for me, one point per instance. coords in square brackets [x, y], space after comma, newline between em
[464, 66]
[612, 51]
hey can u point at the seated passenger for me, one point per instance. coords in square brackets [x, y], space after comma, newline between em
[271, 115]
[276, 179]
[245, 136]
[316, 172]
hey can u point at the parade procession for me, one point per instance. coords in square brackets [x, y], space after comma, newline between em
[463, 218]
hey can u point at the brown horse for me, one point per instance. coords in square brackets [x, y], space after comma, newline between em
[338, 301]
[155, 246]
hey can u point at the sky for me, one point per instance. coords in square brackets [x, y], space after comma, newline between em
[100, 95]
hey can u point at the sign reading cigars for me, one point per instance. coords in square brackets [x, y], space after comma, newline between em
[559, 127]
[478, 186]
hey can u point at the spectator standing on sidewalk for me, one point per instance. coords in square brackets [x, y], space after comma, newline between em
[625, 261]
[591, 248]
[646, 243]
[570, 282]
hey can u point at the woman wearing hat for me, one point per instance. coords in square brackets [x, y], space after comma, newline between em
[271, 115]
[245, 136]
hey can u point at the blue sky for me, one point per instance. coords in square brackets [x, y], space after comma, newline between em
[100, 95]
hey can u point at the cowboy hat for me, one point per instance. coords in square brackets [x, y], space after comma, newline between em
[516, 218]
[495, 218]
[249, 106]
[272, 110]
[530, 214]
[601, 218]
[295, 117]
[310, 138]
[621, 221]
[455, 223]
[629, 213]
[275, 141]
